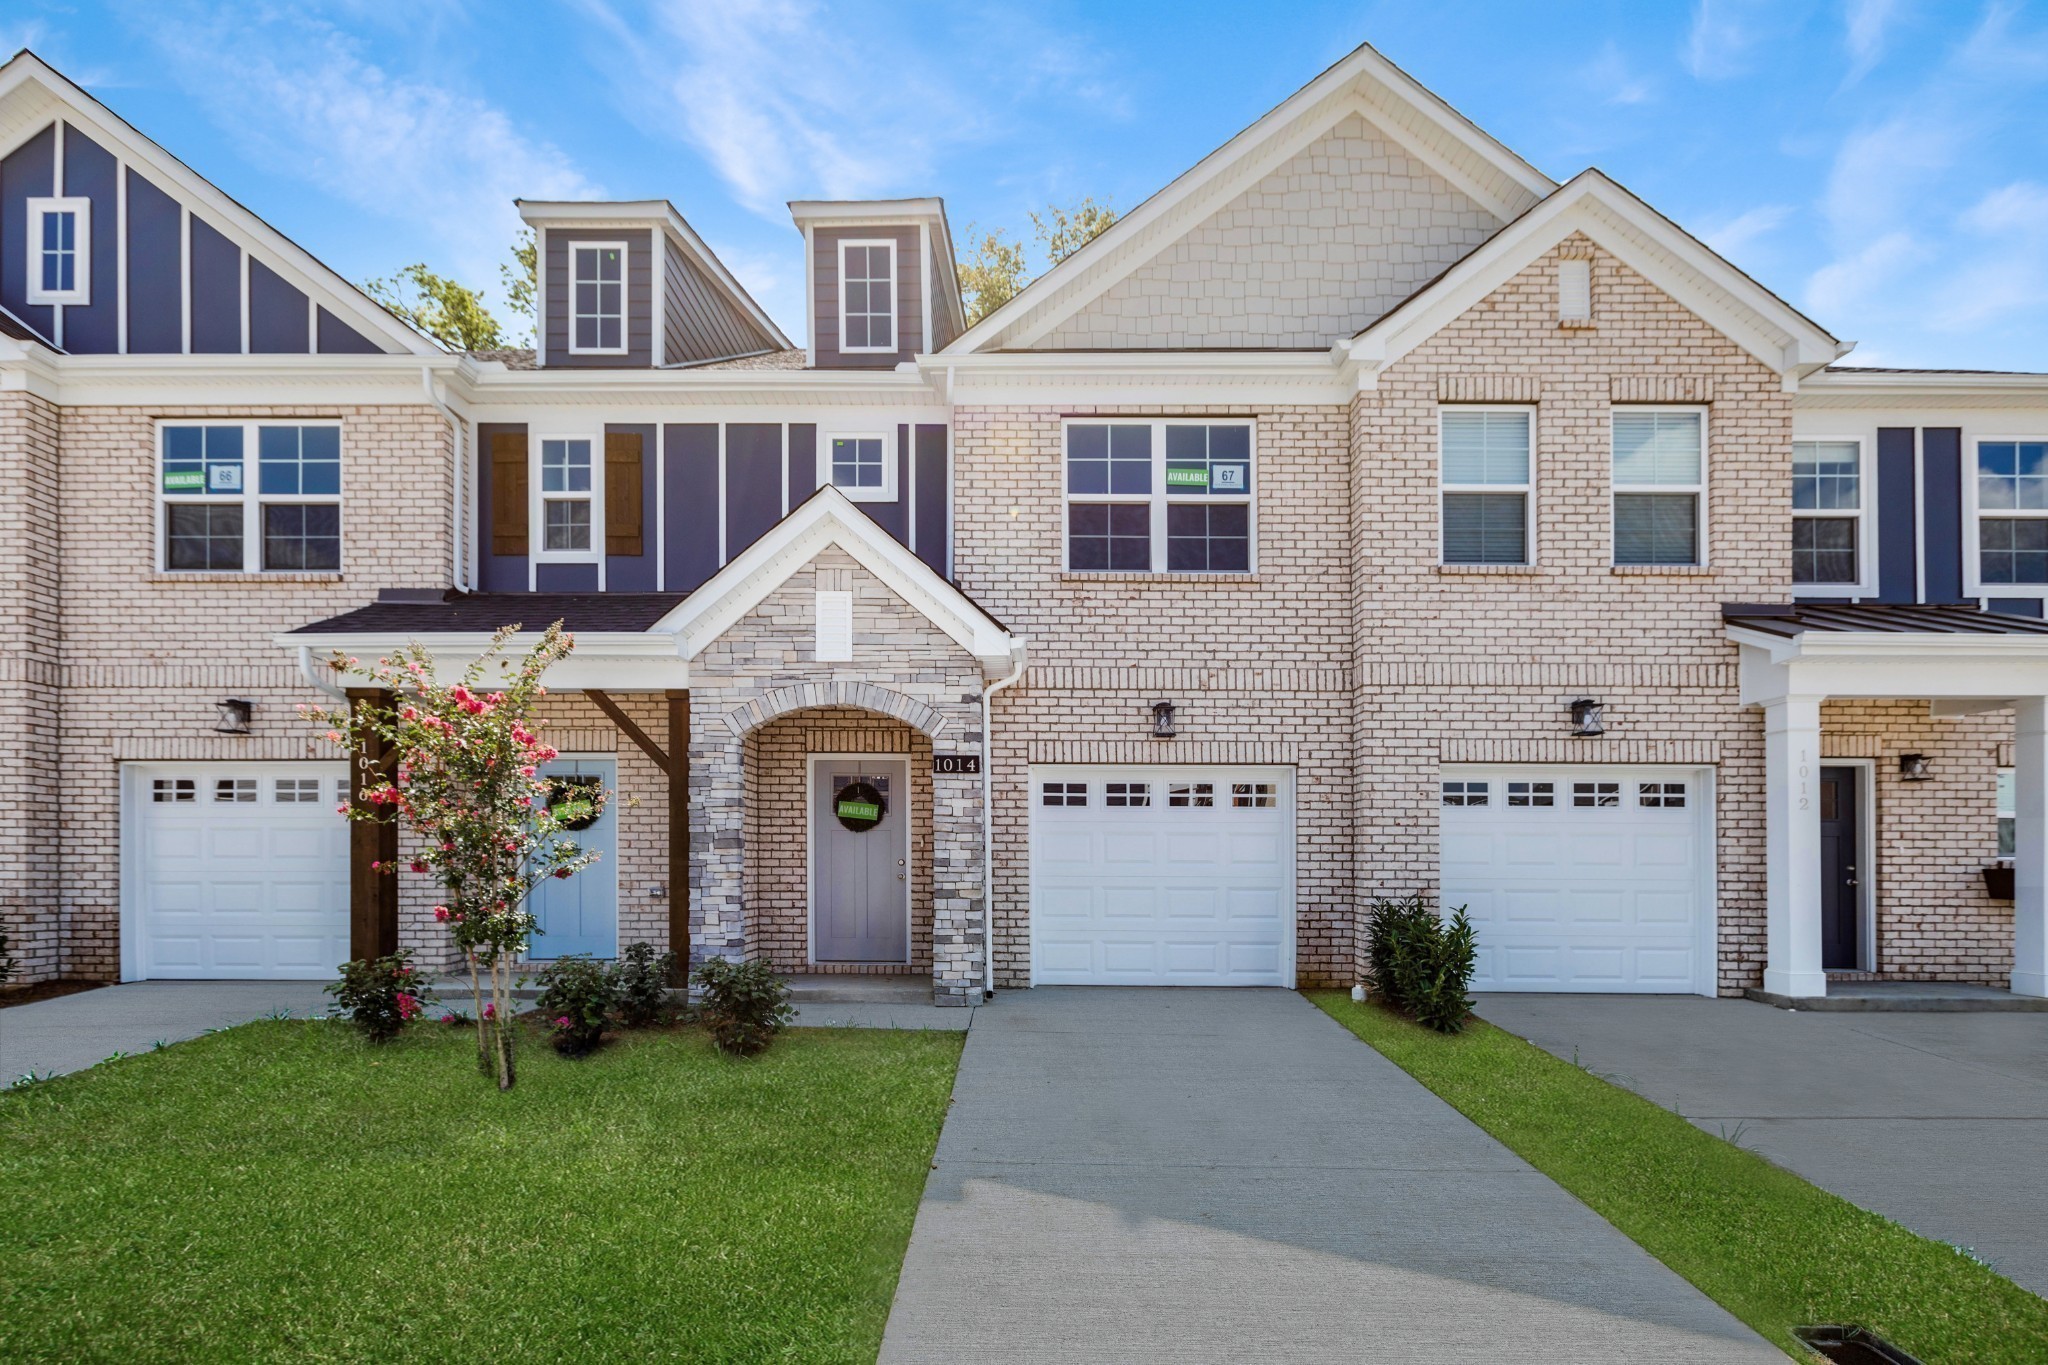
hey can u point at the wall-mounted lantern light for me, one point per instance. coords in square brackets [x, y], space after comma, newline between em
[231, 717]
[1162, 720]
[1913, 768]
[1586, 722]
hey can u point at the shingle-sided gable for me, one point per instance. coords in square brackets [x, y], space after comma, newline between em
[1321, 247]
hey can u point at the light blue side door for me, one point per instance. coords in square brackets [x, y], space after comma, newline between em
[580, 914]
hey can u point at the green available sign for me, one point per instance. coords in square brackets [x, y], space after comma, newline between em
[857, 810]
[1187, 478]
[184, 481]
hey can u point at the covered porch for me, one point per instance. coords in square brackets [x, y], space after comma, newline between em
[1886, 732]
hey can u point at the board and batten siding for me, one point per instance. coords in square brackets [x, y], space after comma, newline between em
[825, 297]
[639, 297]
[698, 321]
[943, 332]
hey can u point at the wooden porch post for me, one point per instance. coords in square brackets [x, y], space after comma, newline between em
[679, 831]
[372, 894]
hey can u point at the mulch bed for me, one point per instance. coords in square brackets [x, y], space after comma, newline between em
[43, 990]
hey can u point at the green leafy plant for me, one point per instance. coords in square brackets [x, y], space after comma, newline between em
[6, 962]
[745, 1005]
[640, 979]
[576, 1000]
[1422, 963]
[380, 995]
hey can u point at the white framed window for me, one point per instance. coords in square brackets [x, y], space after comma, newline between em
[1160, 497]
[1661, 795]
[1464, 793]
[867, 296]
[1829, 494]
[2008, 812]
[59, 250]
[597, 298]
[566, 496]
[2010, 498]
[1532, 794]
[217, 515]
[1255, 795]
[860, 464]
[1596, 793]
[1485, 467]
[1659, 488]
[1063, 793]
[1200, 795]
[1127, 794]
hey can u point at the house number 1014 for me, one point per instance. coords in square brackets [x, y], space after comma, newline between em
[961, 764]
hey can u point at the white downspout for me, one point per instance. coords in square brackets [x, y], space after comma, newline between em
[988, 824]
[313, 678]
[458, 561]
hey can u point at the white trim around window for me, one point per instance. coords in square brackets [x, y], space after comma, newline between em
[599, 315]
[870, 314]
[1696, 489]
[212, 496]
[1975, 514]
[1860, 516]
[71, 255]
[566, 454]
[1525, 488]
[1229, 483]
[865, 449]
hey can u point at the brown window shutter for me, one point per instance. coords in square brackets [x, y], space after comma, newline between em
[622, 509]
[508, 493]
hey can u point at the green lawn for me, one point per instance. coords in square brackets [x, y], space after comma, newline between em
[1769, 1247]
[285, 1191]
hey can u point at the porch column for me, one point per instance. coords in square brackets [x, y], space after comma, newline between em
[372, 848]
[2030, 847]
[1792, 965]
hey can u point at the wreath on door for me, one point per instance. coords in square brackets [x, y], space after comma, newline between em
[859, 806]
[564, 790]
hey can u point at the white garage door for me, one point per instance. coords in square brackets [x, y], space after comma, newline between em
[1582, 878]
[238, 871]
[1162, 876]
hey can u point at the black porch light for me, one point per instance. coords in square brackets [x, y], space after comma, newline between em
[1162, 720]
[1913, 768]
[231, 717]
[1586, 722]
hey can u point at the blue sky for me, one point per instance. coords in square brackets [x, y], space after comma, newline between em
[1881, 163]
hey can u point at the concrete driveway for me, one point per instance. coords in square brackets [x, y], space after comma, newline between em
[73, 1032]
[1210, 1175]
[1938, 1121]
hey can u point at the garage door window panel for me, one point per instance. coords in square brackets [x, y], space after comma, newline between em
[1064, 794]
[1596, 794]
[1128, 795]
[1194, 795]
[1464, 793]
[1532, 794]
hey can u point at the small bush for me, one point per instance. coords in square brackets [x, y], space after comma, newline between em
[575, 1003]
[640, 981]
[1422, 963]
[6, 962]
[380, 995]
[745, 1005]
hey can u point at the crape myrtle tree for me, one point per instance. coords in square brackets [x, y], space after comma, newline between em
[464, 779]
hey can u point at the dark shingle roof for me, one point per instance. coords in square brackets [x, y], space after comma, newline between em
[1797, 619]
[511, 357]
[470, 613]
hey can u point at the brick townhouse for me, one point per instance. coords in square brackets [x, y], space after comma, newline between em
[1365, 513]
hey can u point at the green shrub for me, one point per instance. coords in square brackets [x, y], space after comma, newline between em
[745, 1005]
[380, 995]
[6, 962]
[1422, 963]
[575, 1003]
[640, 981]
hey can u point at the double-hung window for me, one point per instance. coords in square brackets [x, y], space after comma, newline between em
[59, 251]
[1660, 484]
[2012, 512]
[567, 495]
[1827, 512]
[867, 296]
[1485, 464]
[218, 515]
[597, 298]
[1159, 497]
[861, 465]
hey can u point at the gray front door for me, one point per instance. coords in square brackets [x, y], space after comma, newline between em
[860, 861]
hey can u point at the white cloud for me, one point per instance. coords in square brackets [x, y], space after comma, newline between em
[1611, 77]
[1850, 284]
[1718, 44]
[1864, 23]
[2003, 269]
[1737, 234]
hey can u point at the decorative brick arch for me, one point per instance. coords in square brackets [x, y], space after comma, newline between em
[741, 720]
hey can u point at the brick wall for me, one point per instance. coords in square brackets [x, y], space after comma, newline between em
[30, 804]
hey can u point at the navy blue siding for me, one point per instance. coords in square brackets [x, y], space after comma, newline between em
[893, 516]
[564, 578]
[156, 323]
[690, 473]
[28, 172]
[338, 338]
[928, 474]
[90, 172]
[495, 573]
[753, 483]
[216, 292]
[2016, 606]
[803, 462]
[1941, 501]
[636, 573]
[278, 323]
[1898, 503]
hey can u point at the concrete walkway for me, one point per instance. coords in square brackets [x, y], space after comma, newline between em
[1937, 1121]
[73, 1032]
[1207, 1175]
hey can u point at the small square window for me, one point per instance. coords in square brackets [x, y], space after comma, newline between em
[1464, 793]
[1127, 794]
[1063, 794]
[860, 467]
[1532, 794]
[1254, 795]
[180, 789]
[1596, 793]
[293, 791]
[1667, 795]
[1201, 794]
[238, 790]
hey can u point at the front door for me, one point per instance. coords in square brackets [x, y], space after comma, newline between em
[580, 914]
[860, 860]
[1841, 902]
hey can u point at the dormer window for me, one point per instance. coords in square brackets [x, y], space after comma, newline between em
[59, 265]
[867, 296]
[597, 298]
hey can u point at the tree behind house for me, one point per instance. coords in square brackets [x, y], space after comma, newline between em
[994, 268]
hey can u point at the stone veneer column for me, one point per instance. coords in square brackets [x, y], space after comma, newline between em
[959, 898]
